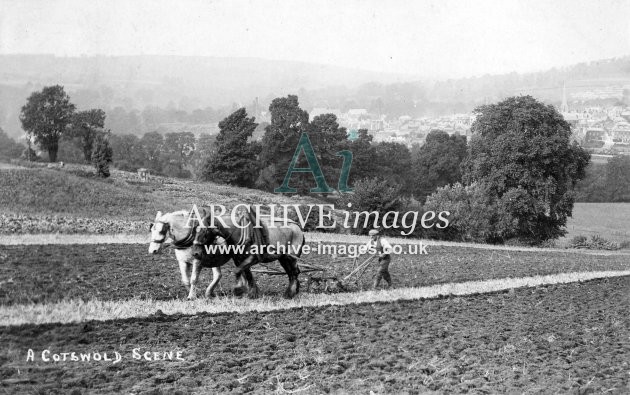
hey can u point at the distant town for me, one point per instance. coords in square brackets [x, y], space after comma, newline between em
[601, 129]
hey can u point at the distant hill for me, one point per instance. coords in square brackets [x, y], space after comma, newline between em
[175, 82]
[603, 82]
[124, 86]
[216, 81]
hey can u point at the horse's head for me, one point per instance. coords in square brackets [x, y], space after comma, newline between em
[203, 236]
[159, 234]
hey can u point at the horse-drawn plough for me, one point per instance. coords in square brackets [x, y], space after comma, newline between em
[319, 278]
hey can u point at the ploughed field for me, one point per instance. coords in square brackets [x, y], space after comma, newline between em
[51, 273]
[561, 338]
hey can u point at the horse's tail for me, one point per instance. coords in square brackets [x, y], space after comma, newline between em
[296, 238]
[302, 245]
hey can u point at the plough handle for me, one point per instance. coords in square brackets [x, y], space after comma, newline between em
[363, 265]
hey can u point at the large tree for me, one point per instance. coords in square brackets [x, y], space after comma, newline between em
[364, 164]
[393, 164]
[86, 125]
[437, 162]
[46, 115]
[234, 162]
[521, 151]
[328, 139]
[280, 140]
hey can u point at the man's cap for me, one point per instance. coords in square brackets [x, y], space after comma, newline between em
[373, 232]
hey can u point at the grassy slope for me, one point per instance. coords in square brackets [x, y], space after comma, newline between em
[30, 198]
[50, 192]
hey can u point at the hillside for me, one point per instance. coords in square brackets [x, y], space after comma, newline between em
[197, 92]
[214, 81]
[72, 200]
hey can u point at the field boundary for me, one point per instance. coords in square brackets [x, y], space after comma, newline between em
[313, 237]
[73, 311]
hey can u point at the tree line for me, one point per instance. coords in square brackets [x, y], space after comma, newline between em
[233, 157]
[515, 179]
[240, 161]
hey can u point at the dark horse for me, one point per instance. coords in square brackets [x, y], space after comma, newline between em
[282, 242]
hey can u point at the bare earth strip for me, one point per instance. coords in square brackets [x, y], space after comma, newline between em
[79, 311]
[69, 239]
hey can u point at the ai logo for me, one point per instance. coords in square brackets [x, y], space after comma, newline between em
[313, 167]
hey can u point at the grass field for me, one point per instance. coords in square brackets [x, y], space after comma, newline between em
[51, 192]
[609, 220]
[71, 200]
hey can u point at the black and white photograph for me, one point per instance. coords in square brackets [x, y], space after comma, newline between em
[315, 197]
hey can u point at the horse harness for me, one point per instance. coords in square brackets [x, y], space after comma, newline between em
[182, 244]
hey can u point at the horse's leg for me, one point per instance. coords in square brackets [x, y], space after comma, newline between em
[254, 292]
[194, 277]
[246, 264]
[288, 270]
[241, 268]
[241, 285]
[216, 277]
[289, 263]
[183, 269]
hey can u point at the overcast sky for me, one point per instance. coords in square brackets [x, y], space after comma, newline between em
[424, 38]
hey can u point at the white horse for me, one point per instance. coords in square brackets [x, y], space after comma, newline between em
[171, 227]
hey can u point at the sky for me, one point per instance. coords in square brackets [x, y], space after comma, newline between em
[432, 39]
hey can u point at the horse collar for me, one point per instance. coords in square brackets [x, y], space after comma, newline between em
[187, 241]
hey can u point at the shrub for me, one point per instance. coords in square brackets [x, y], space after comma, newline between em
[472, 215]
[372, 195]
[478, 215]
[578, 240]
[595, 243]
[102, 156]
